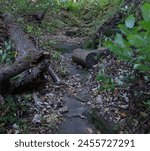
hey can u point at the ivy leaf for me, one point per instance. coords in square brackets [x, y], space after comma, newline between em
[146, 11]
[130, 21]
[141, 67]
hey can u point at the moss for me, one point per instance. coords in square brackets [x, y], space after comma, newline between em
[105, 127]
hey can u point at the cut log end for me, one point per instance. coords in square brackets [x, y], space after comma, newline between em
[91, 60]
[87, 58]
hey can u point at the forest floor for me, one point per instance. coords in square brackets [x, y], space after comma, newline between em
[79, 103]
[105, 107]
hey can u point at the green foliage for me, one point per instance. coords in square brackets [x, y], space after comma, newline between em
[147, 103]
[29, 28]
[10, 107]
[88, 44]
[6, 54]
[133, 44]
[130, 21]
[107, 84]
[56, 55]
[11, 112]
[48, 44]
[27, 6]
[34, 30]
[71, 6]
[146, 11]
[48, 26]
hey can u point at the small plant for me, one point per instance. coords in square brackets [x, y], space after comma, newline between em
[6, 54]
[48, 44]
[12, 112]
[30, 29]
[107, 84]
[56, 55]
[147, 103]
[34, 30]
[8, 113]
[133, 43]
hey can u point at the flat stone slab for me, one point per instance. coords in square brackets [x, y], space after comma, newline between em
[76, 119]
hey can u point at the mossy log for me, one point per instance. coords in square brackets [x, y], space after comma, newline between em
[28, 56]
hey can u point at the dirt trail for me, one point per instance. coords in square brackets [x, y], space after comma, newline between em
[76, 95]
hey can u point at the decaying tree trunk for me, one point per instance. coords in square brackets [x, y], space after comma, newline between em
[27, 77]
[29, 63]
[87, 58]
[28, 57]
[28, 54]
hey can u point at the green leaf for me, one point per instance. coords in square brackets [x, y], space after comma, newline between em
[141, 67]
[143, 51]
[122, 52]
[147, 58]
[124, 29]
[114, 48]
[119, 40]
[101, 77]
[146, 11]
[147, 103]
[4, 56]
[147, 38]
[136, 40]
[145, 25]
[130, 21]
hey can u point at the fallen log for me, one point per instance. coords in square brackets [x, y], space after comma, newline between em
[27, 78]
[29, 64]
[21, 41]
[87, 58]
[28, 55]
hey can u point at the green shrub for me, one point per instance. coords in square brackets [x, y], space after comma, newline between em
[133, 43]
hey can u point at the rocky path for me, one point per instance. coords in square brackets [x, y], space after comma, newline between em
[77, 119]
[66, 104]
[76, 113]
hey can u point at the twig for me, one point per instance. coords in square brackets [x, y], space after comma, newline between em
[54, 75]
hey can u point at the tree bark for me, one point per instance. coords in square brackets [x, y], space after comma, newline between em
[27, 62]
[27, 77]
[54, 75]
[28, 56]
